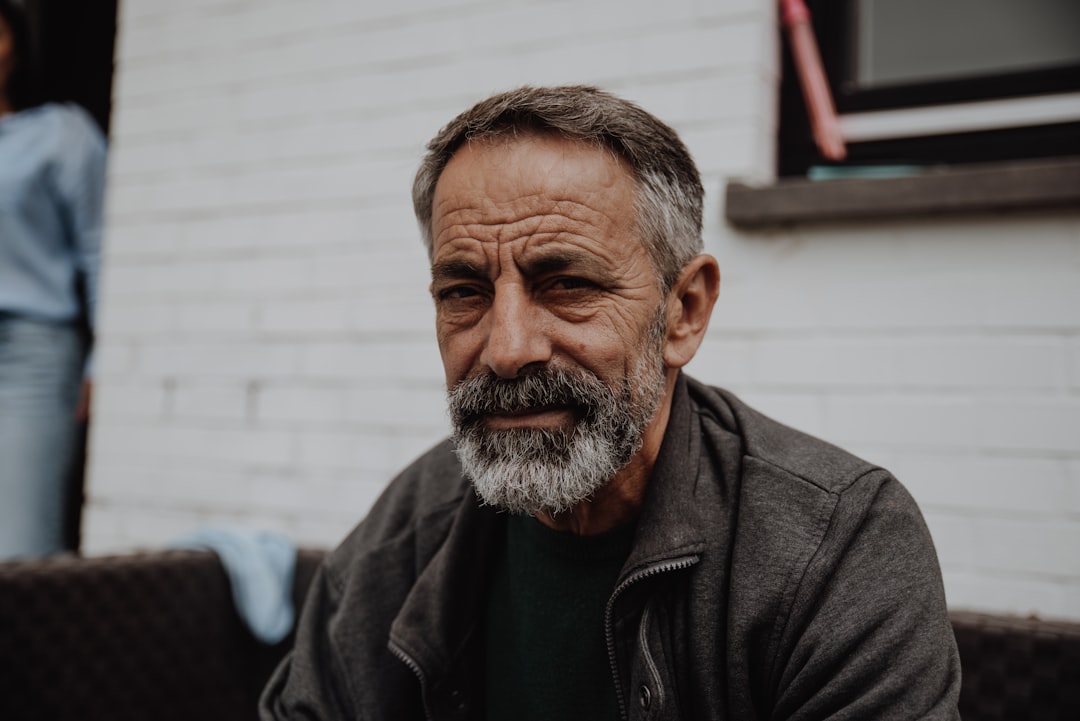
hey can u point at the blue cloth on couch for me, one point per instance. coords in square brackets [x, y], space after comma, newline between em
[260, 566]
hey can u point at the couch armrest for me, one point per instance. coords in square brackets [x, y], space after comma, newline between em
[141, 636]
[1017, 668]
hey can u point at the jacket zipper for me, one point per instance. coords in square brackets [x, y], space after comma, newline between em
[650, 664]
[415, 668]
[675, 564]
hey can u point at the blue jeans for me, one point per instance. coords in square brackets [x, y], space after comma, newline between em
[40, 376]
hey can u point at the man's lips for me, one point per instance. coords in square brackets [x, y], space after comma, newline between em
[540, 417]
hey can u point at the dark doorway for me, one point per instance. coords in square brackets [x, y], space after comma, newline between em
[75, 40]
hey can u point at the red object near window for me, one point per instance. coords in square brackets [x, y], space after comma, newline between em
[824, 124]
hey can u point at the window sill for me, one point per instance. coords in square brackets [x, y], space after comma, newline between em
[1032, 184]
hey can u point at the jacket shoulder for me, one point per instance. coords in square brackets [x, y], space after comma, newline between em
[340, 666]
[413, 511]
[769, 444]
[831, 568]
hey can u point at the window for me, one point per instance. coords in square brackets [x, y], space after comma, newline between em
[926, 82]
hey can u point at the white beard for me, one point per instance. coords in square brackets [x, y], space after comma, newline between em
[528, 471]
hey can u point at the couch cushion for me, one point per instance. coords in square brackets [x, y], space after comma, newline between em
[146, 636]
[1017, 668]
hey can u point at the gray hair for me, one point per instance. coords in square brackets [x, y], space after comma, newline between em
[669, 192]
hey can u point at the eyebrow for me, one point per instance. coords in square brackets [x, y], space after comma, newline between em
[455, 270]
[556, 261]
[544, 263]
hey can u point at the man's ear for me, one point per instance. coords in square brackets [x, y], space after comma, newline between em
[689, 306]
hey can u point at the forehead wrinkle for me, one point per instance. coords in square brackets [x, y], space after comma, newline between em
[521, 197]
[485, 225]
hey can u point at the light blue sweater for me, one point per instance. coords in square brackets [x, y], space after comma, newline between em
[52, 183]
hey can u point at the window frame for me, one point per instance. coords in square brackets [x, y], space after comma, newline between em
[834, 24]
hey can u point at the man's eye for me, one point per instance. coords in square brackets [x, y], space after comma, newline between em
[570, 283]
[458, 292]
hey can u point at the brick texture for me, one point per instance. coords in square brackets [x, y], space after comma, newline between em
[267, 357]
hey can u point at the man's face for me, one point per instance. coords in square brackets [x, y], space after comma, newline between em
[549, 318]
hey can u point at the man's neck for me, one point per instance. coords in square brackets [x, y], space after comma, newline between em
[613, 505]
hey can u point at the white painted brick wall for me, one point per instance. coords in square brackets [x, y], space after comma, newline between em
[267, 357]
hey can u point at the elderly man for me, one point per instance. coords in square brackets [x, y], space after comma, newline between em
[604, 537]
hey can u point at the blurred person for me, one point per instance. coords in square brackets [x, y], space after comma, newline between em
[52, 175]
[604, 537]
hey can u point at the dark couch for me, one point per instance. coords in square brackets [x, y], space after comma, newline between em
[143, 637]
[155, 637]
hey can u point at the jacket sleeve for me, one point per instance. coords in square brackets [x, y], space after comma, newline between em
[868, 636]
[306, 685]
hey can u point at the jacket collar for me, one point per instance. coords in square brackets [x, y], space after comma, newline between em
[440, 622]
[672, 518]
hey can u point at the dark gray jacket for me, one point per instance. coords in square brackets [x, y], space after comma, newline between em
[773, 576]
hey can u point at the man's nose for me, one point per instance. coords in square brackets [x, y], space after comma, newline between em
[516, 337]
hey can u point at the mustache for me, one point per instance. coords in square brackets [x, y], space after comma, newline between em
[545, 387]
